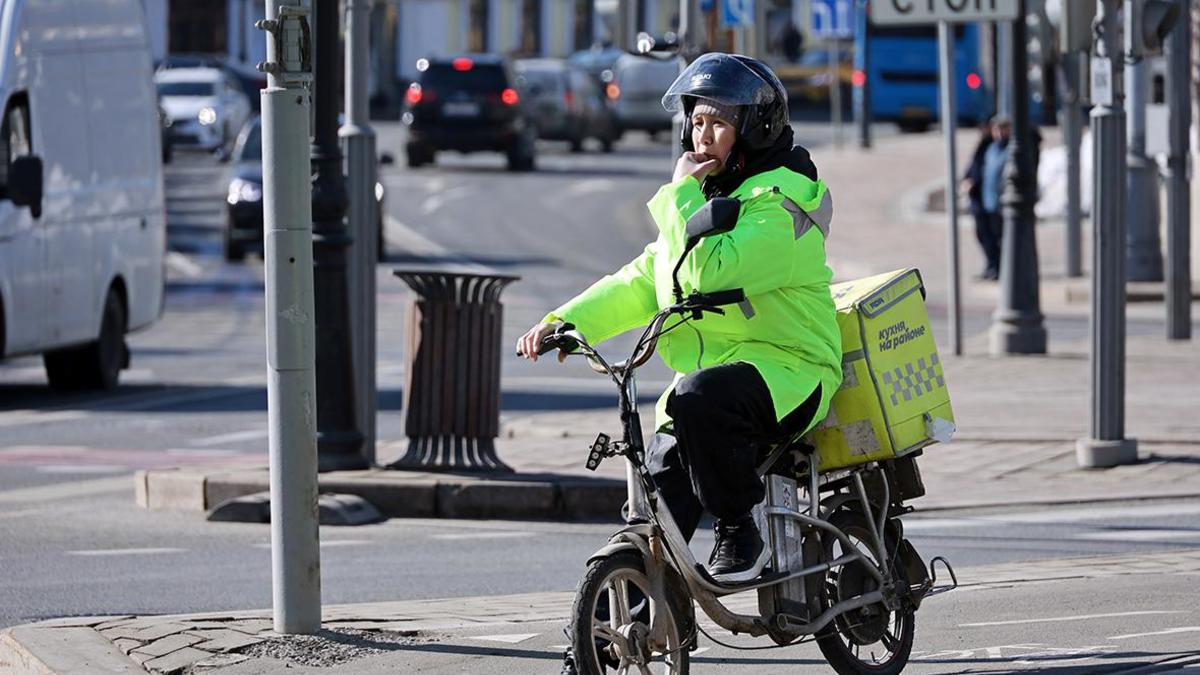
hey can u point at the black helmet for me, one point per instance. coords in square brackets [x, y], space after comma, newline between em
[733, 80]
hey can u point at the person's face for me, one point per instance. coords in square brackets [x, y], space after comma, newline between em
[713, 136]
[1000, 132]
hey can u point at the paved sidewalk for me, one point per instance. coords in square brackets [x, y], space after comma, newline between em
[380, 637]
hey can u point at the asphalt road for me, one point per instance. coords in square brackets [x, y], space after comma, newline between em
[71, 541]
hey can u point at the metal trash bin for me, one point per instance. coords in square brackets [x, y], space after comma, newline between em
[452, 379]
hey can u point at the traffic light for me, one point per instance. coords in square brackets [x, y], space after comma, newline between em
[1150, 21]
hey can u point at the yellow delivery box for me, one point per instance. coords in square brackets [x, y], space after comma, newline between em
[893, 399]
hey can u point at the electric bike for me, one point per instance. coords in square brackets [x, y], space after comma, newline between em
[841, 571]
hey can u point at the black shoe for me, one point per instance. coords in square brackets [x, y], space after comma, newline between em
[739, 553]
[990, 274]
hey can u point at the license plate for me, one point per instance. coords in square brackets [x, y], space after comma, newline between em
[915, 111]
[460, 109]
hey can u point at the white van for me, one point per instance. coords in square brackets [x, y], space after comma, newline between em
[82, 217]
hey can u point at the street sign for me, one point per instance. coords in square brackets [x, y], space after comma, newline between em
[737, 13]
[833, 18]
[885, 12]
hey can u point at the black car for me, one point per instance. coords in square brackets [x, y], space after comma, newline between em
[244, 215]
[469, 104]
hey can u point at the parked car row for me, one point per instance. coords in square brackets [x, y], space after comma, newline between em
[484, 102]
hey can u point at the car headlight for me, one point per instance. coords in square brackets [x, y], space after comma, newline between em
[241, 190]
[207, 116]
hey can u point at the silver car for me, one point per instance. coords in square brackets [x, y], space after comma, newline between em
[636, 91]
[565, 102]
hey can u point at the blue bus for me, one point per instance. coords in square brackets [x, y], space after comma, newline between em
[903, 72]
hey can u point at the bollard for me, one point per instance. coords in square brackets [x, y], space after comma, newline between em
[452, 380]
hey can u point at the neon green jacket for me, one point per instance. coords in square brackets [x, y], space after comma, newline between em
[786, 328]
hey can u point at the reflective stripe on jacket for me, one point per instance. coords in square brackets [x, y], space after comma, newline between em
[786, 328]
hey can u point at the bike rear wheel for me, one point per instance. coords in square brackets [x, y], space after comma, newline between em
[610, 622]
[868, 641]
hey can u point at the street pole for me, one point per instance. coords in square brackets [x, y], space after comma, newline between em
[359, 140]
[949, 120]
[1176, 175]
[1143, 253]
[339, 441]
[863, 90]
[291, 382]
[1107, 445]
[1004, 69]
[1072, 124]
[835, 91]
[1017, 326]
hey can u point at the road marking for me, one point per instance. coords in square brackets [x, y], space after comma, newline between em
[1139, 535]
[202, 452]
[507, 639]
[331, 543]
[1169, 631]
[1173, 510]
[126, 551]
[480, 535]
[94, 469]
[1057, 619]
[437, 201]
[73, 490]
[184, 265]
[235, 437]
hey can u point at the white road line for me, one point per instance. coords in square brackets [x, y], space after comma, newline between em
[507, 639]
[72, 490]
[185, 266]
[234, 437]
[332, 543]
[1058, 619]
[1169, 631]
[480, 535]
[91, 469]
[1139, 535]
[202, 452]
[127, 551]
[1172, 510]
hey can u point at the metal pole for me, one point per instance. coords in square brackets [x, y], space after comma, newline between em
[863, 91]
[363, 220]
[1017, 326]
[1176, 175]
[949, 120]
[291, 382]
[1107, 445]
[1072, 123]
[1004, 67]
[339, 440]
[835, 91]
[1143, 249]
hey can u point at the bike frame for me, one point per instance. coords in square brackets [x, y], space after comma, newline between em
[655, 535]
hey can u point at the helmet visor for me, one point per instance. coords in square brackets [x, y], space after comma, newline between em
[722, 78]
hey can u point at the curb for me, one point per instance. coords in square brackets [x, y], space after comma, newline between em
[401, 494]
[62, 650]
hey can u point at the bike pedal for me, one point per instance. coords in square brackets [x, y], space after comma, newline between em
[598, 452]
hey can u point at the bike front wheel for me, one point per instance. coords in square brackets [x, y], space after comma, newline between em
[867, 641]
[610, 622]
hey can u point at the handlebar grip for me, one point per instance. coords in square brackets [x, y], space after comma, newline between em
[557, 341]
[729, 297]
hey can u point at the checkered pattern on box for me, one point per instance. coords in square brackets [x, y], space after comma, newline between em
[914, 379]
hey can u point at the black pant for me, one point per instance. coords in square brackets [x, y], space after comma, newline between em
[723, 418]
[989, 230]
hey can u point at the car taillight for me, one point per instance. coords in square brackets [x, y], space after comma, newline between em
[974, 81]
[858, 78]
[569, 99]
[414, 94]
[509, 96]
[612, 90]
[462, 64]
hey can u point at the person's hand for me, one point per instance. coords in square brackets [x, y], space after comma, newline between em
[527, 344]
[695, 164]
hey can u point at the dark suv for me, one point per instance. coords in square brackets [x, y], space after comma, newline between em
[468, 103]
